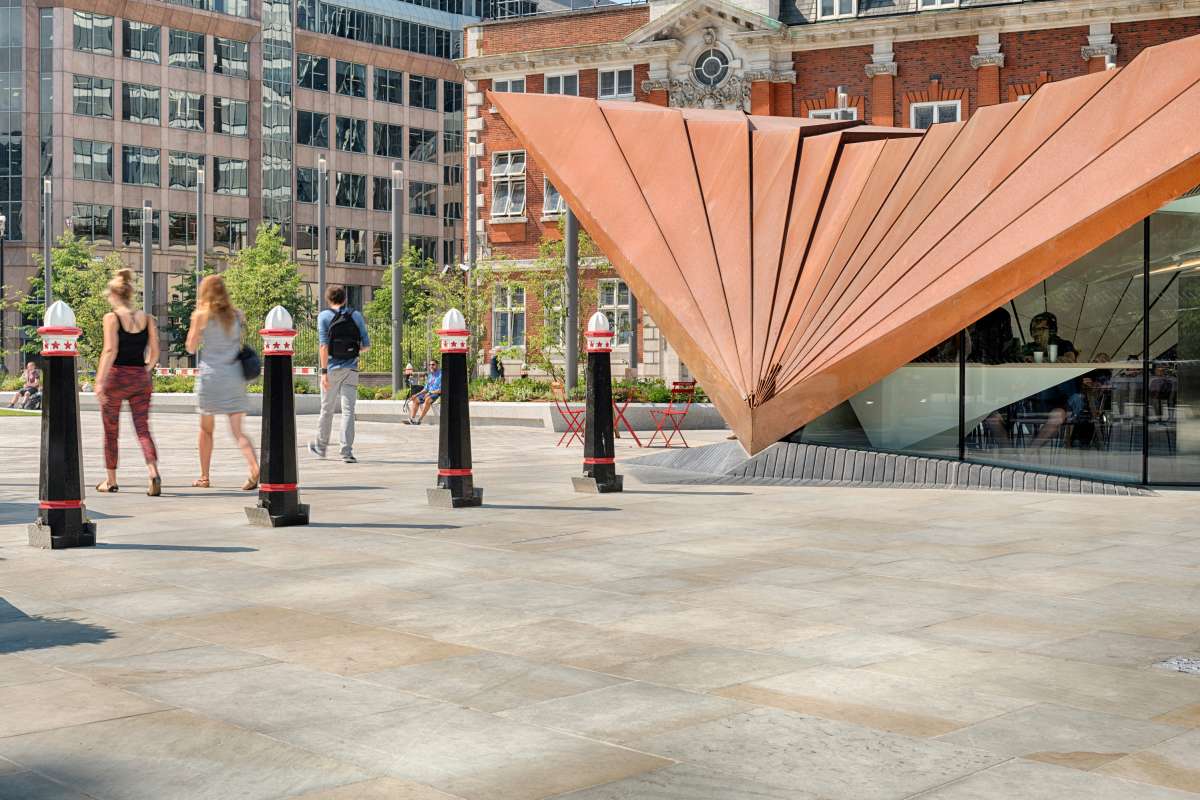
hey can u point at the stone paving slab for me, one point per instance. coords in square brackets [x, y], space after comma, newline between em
[673, 642]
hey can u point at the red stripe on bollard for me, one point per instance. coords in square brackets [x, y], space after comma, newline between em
[48, 504]
[277, 487]
[453, 473]
[599, 461]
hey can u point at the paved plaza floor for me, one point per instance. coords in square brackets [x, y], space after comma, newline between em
[667, 643]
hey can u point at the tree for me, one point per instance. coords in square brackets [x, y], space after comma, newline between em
[81, 281]
[262, 277]
[179, 312]
[428, 294]
[545, 346]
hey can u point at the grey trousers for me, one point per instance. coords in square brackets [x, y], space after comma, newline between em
[343, 385]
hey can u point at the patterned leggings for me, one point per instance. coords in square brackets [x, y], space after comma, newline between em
[132, 384]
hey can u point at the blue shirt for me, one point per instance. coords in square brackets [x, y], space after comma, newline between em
[433, 383]
[325, 320]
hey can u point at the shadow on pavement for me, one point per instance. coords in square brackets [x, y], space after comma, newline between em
[549, 508]
[187, 548]
[17, 513]
[699, 494]
[406, 525]
[20, 631]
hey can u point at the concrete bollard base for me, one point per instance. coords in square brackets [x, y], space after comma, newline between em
[587, 485]
[43, 536]
[257, 515]
[444, 498]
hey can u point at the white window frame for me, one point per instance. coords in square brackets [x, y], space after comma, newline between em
[613, 307]
[928, 5]
[847, 113]
[616, 94]
[506, 84]
[836, 14]
[912, 111]
[561, 77]
[508, 172]
[552, 210]
[505, 297]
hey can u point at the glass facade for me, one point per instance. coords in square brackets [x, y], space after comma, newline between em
[1094, 372]
[277, 114]
[12, 106]
[363, 26]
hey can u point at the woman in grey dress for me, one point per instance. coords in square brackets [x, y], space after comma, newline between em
[216, 333]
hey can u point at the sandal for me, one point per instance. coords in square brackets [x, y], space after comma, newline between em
[201, 483]
[105, 486]
[155, 487]
[251, 484]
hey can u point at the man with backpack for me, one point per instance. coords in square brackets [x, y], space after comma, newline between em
[342, 334]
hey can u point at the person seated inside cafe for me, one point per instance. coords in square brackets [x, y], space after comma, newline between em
[1052, 403]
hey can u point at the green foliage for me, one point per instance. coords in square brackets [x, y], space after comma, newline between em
[174, 384]
[379, 393]
[80, 280]
[262, 277]
[545, 347]
[10, 383]
[428, 295]
[179, 312]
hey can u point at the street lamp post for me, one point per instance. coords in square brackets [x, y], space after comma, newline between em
[322, 177]
[472, 196]
[572, 333]
[633, 334]
[147, 273]
[397, 277]
[199, 229]
[47, 214]
[3, 352]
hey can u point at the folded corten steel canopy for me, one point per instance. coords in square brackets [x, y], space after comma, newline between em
[793, 263]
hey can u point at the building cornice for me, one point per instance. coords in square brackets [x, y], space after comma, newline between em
[969, 21]
[571, 57]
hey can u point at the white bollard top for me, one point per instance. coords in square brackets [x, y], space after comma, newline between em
[599, 338]
[278, 319]
[60, 315]
[453, 321]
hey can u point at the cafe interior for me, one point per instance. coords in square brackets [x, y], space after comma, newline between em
[1095, 372]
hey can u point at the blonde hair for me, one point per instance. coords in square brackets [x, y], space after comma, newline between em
[121, 285]
[214, 300]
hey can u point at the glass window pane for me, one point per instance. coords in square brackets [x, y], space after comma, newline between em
[1054, 378]
[1172, 427]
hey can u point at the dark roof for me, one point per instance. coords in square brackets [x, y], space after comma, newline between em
[800, 12]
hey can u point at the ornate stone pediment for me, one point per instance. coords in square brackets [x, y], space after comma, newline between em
[692, 14]
[733, 93]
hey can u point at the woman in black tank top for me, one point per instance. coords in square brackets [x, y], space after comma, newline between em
[123, 374]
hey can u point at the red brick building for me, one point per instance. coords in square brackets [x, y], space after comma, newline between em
[908, 63]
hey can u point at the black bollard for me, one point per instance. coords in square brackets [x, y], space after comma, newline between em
[599, 461]
[456, 485]
[62, 520]
[278, 496]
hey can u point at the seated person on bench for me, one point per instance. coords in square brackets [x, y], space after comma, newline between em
[425, 396]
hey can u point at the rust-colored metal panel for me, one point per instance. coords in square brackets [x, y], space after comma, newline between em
[1037, 119]
[973, 138]
[721, 150]
[854, 168]
[1089, 132]
[775, 155]
[669, 184]
[818, 157]
[571, 139]
[835, 278]
[824, 270]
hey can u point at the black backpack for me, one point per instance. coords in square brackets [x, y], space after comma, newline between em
[344, 337]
